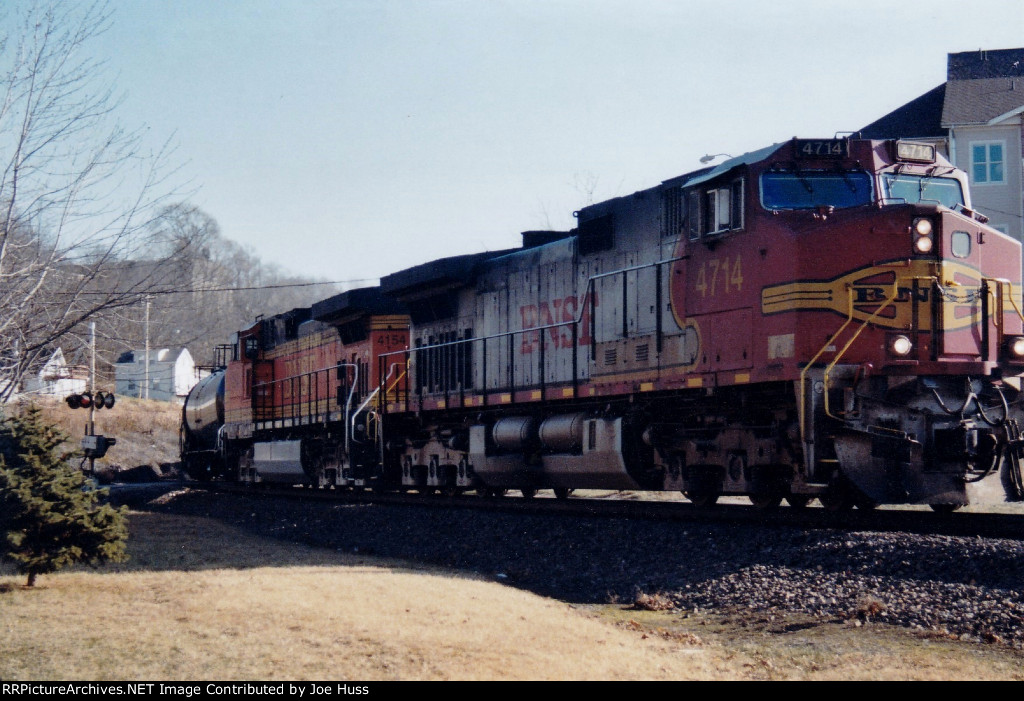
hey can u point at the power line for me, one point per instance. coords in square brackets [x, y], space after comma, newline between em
[248, 288]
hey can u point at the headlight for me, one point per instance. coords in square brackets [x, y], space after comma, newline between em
[900, 345]
[1015, 348]
[923, 240]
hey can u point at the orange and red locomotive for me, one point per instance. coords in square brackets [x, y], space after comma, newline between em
[820, 318]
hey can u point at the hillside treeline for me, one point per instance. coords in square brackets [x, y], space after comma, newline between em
[213, 287]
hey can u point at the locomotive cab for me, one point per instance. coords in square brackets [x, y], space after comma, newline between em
[913, 383]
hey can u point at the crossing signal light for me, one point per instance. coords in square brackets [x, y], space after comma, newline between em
[79, 401]
[86, 400]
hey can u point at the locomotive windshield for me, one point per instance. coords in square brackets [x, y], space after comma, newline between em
[815, 188]
[917, 188]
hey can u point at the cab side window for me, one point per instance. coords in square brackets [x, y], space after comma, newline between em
[714, 209]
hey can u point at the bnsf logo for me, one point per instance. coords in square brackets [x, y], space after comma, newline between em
[557, 311]
[876, 295]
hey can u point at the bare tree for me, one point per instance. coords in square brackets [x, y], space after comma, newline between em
[79, 195]
[220, 286]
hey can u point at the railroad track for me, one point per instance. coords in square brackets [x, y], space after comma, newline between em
[624, 505]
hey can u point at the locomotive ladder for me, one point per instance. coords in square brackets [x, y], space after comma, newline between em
[832, 340]
[374, 417]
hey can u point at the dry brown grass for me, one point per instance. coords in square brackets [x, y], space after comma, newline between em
[260, 609]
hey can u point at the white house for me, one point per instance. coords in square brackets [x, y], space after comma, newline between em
[171, 374]
[56, 378]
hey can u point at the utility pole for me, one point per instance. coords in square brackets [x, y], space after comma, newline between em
[146, 392]
[91, 431]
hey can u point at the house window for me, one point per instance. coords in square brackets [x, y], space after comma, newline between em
[987, 161]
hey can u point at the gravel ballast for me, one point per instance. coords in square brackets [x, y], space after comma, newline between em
[969, 588]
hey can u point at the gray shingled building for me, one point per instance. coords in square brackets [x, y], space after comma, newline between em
[975, 118]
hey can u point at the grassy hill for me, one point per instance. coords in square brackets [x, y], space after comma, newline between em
[146, 433]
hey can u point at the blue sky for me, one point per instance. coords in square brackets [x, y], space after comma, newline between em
[347, 139]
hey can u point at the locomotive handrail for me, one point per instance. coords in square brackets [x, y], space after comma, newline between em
[351, 427]
[583, 306]
[849, 320]
[828, 368]
[348, 399]
[1000, 281]
[371, 395]
[388, 390]
[578, 320]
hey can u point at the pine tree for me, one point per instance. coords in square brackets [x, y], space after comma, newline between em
[49, 518]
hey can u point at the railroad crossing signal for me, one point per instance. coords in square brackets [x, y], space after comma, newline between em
[86, 400]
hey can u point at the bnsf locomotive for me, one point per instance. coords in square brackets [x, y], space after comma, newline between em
[818, 319]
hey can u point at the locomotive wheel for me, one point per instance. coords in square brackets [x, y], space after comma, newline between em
[766, 500]
[702, 498]
[529, 492]
[798, 501]
[451, 491]
[944, 509]
[836, 499]
[865, 504]
[562, 492]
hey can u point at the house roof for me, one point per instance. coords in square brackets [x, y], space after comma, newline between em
[919, 118]
[156, 355]
[981, 87]
[997, 63]
[981, 100]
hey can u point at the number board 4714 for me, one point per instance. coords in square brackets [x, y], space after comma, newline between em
[820, 148]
